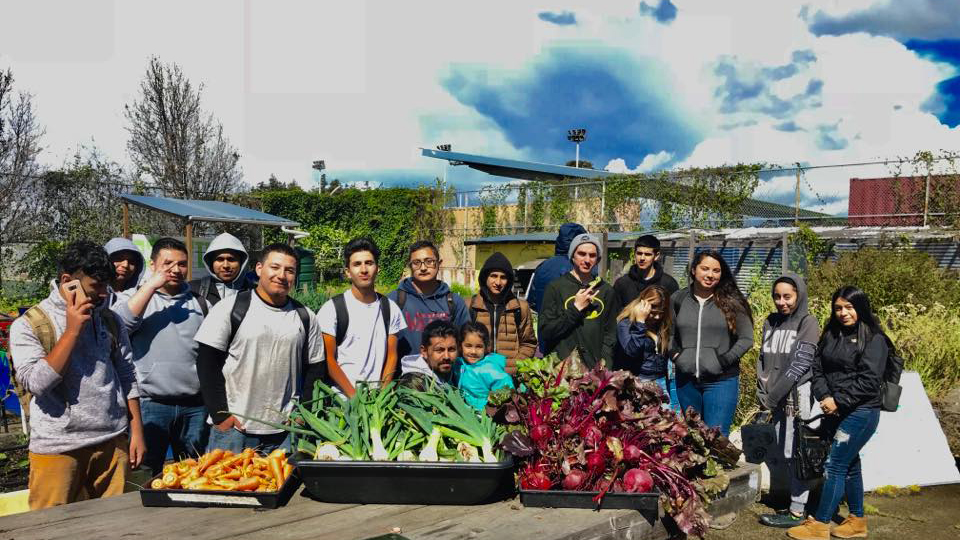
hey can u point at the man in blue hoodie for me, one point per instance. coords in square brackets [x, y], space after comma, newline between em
[423, 298]
[555, 266]
[165, 318]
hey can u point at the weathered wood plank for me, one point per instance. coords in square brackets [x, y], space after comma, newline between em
[70, 511]
[351, 523]
[201, 523]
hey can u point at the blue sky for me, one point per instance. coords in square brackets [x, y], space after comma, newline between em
[657, 83]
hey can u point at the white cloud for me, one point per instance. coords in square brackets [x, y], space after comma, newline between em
[651, 162]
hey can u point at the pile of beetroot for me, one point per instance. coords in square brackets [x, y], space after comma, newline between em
[606, 431]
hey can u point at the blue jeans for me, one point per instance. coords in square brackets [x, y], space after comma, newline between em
[165, 425]
[842, 474]
[236, 441]
[715, 400]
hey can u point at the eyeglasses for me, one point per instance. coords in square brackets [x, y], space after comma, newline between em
[429, 263]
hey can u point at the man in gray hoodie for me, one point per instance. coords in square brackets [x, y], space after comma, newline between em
[225, 260]
[165, 318]
[128, 265]
[77, 363]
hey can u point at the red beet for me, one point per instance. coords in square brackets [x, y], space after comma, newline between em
[574, 479]
[637, 481]
[591, 434]
[536, 481]
[541, 434]
[632, 453]
[596, 462]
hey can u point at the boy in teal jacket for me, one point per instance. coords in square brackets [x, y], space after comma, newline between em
[477, 373]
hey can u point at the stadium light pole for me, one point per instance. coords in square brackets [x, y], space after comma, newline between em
[577, 136]
[445, 148]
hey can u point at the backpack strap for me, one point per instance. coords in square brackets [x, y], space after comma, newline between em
[305, 346]
[450, 305]
[402, 299]
[519, 314]
[239, 311]
[202, 300]
[385, 313]
[343, 317]
[42, 327]
[205, 282]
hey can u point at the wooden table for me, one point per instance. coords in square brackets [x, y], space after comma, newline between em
[124, 517]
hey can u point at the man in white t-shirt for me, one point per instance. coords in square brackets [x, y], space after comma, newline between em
[258, 368]
[363, 346]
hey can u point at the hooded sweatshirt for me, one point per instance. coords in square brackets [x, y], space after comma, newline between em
[500, 314]
[630, 285]
[788, 349]
[703, 346]
[164, 349]
[124, 244]
[216, 289]
[555, 266]
[564, 328]
[87, 403]
[477, 380]
[419, 310]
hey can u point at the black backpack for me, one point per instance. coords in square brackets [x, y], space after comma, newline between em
[239, 311]
[343, 316]
[890, 387]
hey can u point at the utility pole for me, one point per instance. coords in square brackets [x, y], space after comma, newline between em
[796, 211]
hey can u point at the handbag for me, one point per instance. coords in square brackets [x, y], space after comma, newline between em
[890, 396]
[810, 448]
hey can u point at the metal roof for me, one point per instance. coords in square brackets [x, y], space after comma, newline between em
[529, 170]
[194, 210]
[544, 237]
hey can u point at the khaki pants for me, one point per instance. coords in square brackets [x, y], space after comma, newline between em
[92, 472]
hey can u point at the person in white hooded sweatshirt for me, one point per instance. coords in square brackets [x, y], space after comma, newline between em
[225, 259]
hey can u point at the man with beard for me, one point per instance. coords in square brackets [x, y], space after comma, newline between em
[74, 358]
[438, 352]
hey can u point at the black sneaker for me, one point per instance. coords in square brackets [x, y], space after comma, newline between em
[781, 521]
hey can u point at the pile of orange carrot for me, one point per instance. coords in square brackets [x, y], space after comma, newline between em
[220, 470]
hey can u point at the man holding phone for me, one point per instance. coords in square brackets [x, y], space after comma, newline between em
[75, 359]
[579, 312]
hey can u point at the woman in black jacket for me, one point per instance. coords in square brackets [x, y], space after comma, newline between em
[847, 375]
[713, 329]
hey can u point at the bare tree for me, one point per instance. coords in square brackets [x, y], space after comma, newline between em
[20, 135]
[174, 142]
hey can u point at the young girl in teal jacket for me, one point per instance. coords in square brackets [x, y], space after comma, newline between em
[477, 373]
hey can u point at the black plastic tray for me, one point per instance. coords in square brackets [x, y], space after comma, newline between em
[403, 482]
[647, 504]
[221, 499]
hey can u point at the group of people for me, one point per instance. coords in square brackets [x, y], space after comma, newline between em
[124, 365]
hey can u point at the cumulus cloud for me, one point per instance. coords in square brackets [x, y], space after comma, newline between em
[664, 12]
[560, 18]
[621, 100]
[899, 19]
[650, 163]
[747, 87]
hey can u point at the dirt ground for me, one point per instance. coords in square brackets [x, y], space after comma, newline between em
[931, 514]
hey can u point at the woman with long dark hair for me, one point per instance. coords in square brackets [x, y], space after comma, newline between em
[847, 378]
[643, 336]
[713, 329]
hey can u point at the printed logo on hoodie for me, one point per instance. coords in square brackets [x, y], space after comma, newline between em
[781, 342]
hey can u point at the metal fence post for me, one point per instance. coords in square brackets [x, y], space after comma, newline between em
[784, 260]
[926, 198]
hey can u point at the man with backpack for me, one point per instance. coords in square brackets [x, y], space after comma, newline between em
[645, 271]
[165, 316]
[423, 298]
[260, 351]
[74, 358]
[506, 317]
[360, 326]
[225, 260]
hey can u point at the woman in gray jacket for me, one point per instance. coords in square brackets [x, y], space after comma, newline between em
[713, 329]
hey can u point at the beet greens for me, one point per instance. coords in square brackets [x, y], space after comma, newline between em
[606, 431]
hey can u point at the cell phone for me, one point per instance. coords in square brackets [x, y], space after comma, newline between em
[79, 296]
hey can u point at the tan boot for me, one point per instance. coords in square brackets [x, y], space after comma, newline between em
[811, 529]
[852, 527]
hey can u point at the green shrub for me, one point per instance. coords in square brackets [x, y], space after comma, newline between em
[462, 290]
[888, 276]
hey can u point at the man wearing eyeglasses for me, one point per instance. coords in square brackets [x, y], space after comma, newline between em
[423, 298]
